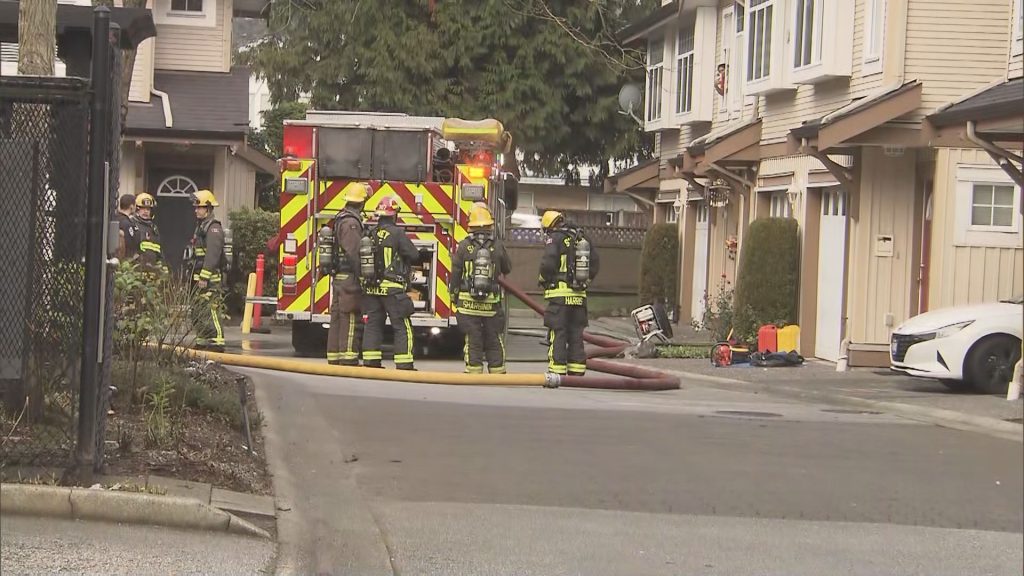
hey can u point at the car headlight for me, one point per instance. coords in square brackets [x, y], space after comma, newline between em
[945, 331]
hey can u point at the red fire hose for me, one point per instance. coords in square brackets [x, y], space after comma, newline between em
[621, 377]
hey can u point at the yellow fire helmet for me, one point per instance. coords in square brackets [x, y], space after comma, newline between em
[204, 198]
[357, 193]
[480, 216]
[145, 200]
[550, 219]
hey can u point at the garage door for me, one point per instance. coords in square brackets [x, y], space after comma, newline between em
[831, 263]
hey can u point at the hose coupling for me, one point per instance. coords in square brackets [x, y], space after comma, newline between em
[552, 380]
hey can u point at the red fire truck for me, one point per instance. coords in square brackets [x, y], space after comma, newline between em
[436, 167]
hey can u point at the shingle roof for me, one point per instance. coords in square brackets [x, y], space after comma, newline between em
[207, 103]
[1006, 99]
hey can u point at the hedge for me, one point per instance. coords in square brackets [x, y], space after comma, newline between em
[659, 264]
[768, 276]
[250, 230]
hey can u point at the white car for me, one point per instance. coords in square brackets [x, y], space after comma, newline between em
[963, 346]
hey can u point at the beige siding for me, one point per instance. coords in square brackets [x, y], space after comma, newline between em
[142, 72]
[970, 36]
[881, 285]
[235, 181]
[194, 48]
[785, 111]
[131, 178]
[966, 274]
[669, 146]
[1016, 67]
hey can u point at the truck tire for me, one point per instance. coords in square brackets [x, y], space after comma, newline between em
[309, 339]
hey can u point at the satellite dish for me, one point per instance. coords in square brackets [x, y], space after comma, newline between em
[631, 98]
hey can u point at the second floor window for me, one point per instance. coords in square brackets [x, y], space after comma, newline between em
[655, 71]
[759, 39]
[875, 31]
[684, 72]
[187, 5]
[807, 33]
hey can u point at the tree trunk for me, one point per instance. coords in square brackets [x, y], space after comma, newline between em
[37, 37]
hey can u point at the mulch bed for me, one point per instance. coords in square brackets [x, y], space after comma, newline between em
[204, 445]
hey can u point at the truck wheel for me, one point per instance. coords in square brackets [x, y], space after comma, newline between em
[309, 339]
[989, 364]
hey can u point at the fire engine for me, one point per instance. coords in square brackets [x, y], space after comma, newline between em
[436, 167]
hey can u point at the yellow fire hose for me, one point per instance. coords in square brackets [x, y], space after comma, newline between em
[417, 377]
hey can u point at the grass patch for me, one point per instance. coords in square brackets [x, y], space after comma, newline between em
[685, 351]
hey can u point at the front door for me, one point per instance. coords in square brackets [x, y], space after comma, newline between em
[700, 262]
[174, 213]
[831, 266]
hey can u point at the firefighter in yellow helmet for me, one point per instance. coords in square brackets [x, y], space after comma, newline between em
[147, 236]
[209, 266]
[386, 256]
[568, 265]
[338, 247]
[473, 286]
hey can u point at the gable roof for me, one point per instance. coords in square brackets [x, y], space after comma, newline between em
[202, 104]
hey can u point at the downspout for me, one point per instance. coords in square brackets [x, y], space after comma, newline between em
[166, 99]
[1002, 157]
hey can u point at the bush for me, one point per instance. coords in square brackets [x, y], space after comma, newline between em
[250, 231]
[767, 279]
[659, 265]
[718, 313]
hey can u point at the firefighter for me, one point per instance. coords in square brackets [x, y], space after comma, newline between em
[127, 243]
[474, 289]
[386, 256]
[340, 245]
[568, 265]
[148, 236]
[209, 263]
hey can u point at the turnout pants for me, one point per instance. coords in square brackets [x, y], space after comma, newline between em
[565, 325]
[206, 319]
[345, 336]
[485, 338]
[398, 307]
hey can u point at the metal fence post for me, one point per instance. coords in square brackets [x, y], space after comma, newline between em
[95, 260]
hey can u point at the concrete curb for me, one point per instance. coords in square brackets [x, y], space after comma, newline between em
[938, 416]
[121, 507]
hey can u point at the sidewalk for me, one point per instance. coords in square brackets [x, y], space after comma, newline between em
[872, 389]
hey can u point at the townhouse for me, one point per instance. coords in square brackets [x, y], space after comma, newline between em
[890, 129]
[188, 116]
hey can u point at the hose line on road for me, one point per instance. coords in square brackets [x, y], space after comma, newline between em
[619, 376]
[615, 376]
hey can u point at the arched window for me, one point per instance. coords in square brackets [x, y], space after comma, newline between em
[177, 186]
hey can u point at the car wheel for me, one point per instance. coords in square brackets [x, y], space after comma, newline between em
[957, 385]
[989, 365]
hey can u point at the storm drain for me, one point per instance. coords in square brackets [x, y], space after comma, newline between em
[847, 411]
[749, 414]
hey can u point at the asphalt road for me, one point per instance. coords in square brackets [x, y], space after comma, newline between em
[388, 478]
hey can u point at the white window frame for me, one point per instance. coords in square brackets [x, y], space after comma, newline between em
[968, 234]
[779, 206]
[655, 84]
[727, 35]
[685, 70]
[164, 14]
[670, 215]
[771, 38]
[1013, 206]
[807, 31]
[758, 32]
[1018, 29]
[874, 36]
[176, 11]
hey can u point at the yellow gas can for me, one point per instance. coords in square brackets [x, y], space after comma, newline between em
[789, 338]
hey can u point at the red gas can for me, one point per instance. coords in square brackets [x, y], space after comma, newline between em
[768, 338]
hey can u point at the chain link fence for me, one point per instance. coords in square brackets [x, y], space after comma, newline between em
[44, 140]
